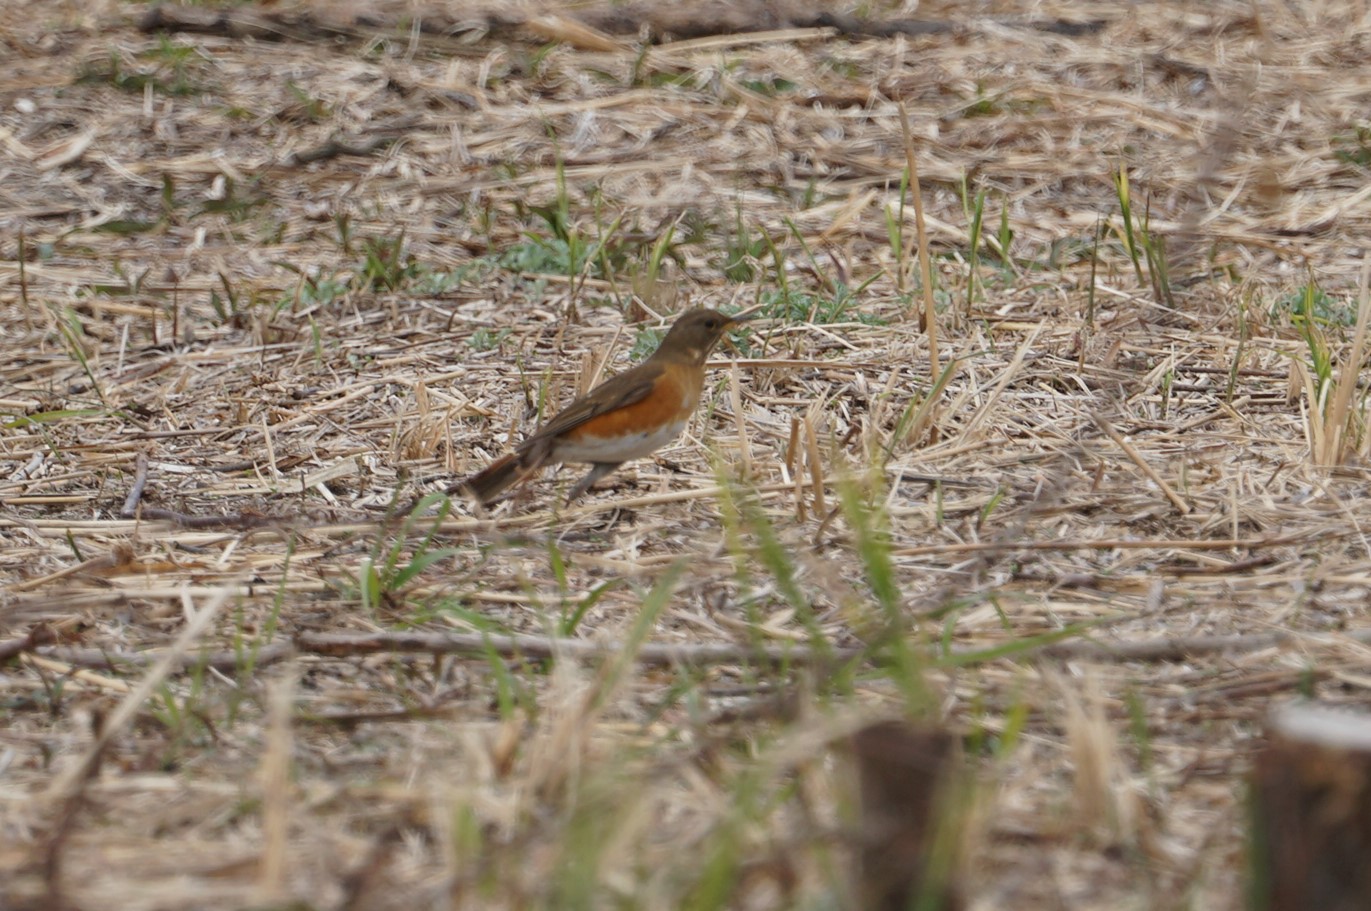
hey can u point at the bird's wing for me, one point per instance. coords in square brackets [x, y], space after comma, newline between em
[633, 385]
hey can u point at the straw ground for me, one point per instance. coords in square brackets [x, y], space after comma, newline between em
[257, 287]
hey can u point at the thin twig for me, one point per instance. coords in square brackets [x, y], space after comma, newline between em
[1103, 423]
[1176, 648]
[547, 647]
[930, 316]
[30, 641]
[140, 481]
[972, 547]
[473, 645]
[71, 781]
[541, 648]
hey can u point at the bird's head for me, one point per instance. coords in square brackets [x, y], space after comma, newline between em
[695, 333]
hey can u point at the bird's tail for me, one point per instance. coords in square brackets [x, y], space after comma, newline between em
[494, 479]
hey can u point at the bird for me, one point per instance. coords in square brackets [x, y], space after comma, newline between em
[628, 416]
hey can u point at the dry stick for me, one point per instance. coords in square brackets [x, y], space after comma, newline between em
[816, 464]
[347, 645]
[909, 839]
[340, 645]
[925, 263]
[227, 662]
[1007, 376]
[735, 397]
[39, 635]
[1175, 648]
[140, 481]
[356, 885]
[1103, 423]
[336, 147]
[575, 33]
[83, 676]
[132, 510]
[1109, 544]
[546, 647]
[1335, 430]
[661, 655]
[69, 783]
[69, 788]
[24, 282]
[792, 466]
[276, 792]
[1310, 798]
[94, 563]
[602, 363]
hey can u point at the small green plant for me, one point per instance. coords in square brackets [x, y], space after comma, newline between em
[1354, 148]
[894, 231]
[304, 106]
[1142, 737]
[391, 567]
[318, 290]
[438, 282]
[1128, 234]
[1004, 236]
[38, 419]
[1158, 266]
[386, 264]
[247, 652]
[616, 669]
[1312, 305]
[984, 104]
[72, 332]
[1015, 720]
[841, 66]
[549, 256]
[236, 202]
[486, 338]
[1240, 349]
[171, 73]
[129, 227]
[1310, 325]
[770, 87]
[743, 251]
[974, 209]
[989, 508]
[1094, 279]
[1337, 425]
[574, 611]
[750, 534]
[869, 525]
[564, 248]
[915, 421]
[645, 342]
[184, 714]
[1142, 244]
[718, 877]
[649, 272]
[803, 306]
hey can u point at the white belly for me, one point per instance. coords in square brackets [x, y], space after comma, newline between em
[616, 449]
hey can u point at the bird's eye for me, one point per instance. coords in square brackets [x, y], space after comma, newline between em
[711, 324]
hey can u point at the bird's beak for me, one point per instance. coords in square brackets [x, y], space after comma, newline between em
[734, 321]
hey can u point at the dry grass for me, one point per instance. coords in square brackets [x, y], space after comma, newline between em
[289, 344]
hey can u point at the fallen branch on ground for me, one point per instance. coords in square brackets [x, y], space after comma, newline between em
[657, 21]
[541, 648]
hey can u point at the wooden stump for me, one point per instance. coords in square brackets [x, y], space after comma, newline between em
[1311, 812]
[910, 832]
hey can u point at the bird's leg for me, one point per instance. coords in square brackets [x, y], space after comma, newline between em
[597, 471]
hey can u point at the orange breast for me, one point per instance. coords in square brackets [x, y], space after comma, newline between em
[672, 401]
